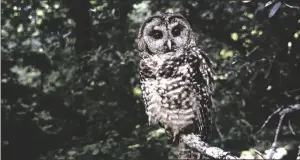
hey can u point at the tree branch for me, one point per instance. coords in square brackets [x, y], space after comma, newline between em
[194, 142]
[290, 109]
[282, 113]
[276, 138]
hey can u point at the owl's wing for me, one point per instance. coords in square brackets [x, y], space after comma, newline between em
[204, 78]
[206, 68]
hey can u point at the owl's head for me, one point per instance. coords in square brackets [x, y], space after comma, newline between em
[165, 33]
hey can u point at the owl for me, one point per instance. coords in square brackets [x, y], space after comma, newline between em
[176, 77]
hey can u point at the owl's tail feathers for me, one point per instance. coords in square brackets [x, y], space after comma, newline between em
[186, 153]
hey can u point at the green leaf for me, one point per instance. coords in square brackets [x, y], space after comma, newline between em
[137, 91]
[234, 36]
[134, 146]
[95, 151]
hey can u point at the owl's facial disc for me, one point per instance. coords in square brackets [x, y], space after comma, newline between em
[165, 34]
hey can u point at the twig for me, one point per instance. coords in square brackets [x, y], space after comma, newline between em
[252, 51]
[194, 142]
[274, 144]
[258, 153]
[290, 6]
[268, 119]
[219, 132]
[291, 128]
[270, 67]
[294, 90]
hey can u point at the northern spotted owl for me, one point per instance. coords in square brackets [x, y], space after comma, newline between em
[176, 76]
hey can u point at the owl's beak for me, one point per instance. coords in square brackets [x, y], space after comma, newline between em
[169, 44]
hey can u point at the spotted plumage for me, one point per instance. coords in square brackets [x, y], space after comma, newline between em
[176, 76]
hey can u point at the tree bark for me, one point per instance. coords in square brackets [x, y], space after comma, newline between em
[195, 143]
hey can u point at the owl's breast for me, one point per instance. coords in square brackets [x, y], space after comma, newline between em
[176, 92]
[173, 67]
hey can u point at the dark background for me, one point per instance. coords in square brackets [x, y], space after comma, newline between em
[70, 84]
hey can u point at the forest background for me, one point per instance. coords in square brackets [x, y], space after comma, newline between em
[70, 84]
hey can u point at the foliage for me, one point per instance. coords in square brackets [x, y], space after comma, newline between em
[70, 84]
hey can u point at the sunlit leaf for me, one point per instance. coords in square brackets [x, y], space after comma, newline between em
[248, 41]
[56, 5]
[226, 54]
[137, 91]
[134, 146]
[40, 12]
[95, 151]
[93, 2]
[39, 21]
[72, 153]
[296, 35]
[253, 32]
[250, 15]
[16, 14]
[156, 133]
[247, 155]
[234, 36]
[20, 28]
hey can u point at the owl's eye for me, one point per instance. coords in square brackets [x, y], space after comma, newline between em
[156, 34]
[176, 31]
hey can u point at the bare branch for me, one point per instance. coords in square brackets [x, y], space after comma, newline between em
[290, 109]
[274, 144]
[252, 51]
[194, 142]
[282, 113]
[291, 128]
[290, 6]
[219, 132]
[270, 67]
[293, 90]
[268, 119]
